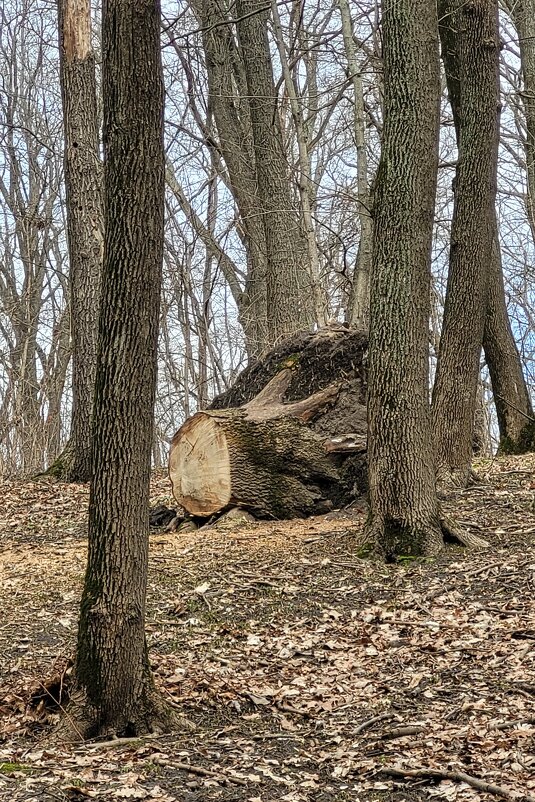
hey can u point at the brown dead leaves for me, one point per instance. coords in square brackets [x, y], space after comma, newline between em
[309, 672]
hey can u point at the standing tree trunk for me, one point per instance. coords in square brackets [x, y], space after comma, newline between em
[511, 395]
[359, 300]
[84, 223]
[230, 104]
[288, 283]
[523, 15]
[469, 34]
[112, 668]
[404, 514]
[306, 188]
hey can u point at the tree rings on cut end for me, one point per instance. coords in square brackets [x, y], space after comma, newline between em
[199, 466]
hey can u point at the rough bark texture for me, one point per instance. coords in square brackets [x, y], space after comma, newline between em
[112, 670]
[469, 35]
[84, 223]
[251, 448]
[523, 15]
[230, 104]
[274, 467]
[404, 514]
[289, 290]
[511, 396]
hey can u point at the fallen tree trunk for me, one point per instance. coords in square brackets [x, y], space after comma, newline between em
[277, 459]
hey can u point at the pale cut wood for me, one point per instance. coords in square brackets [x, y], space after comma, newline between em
[288, 440]
[199, 466]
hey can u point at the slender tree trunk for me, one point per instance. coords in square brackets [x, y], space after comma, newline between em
[288, 284]
[469, 34]
[230, 104]
[29, 424]
[306, 191]
[112, 668]
[359, 301]
[481, 439]
[404, 514]
[511, 396]
[523, 15]
[84, 222]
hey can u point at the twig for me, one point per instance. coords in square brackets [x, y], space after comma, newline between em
[505, 725]
[63, 709]
[526, 687]
[508, 403]
[200, 771]
[371, 721]
[113, 742]
[455, 776]
[401, 732]
[288, 708]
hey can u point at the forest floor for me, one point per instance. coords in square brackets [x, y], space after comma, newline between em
[311, 673]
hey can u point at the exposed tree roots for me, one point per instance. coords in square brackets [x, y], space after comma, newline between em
[452, 533]
[81, 721]
[396, 540]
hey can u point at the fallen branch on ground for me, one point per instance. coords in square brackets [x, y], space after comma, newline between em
[455, 776]
[220, 776]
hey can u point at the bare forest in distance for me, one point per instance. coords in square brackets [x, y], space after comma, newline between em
[329, 103]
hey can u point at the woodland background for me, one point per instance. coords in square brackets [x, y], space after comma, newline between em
[202, 345]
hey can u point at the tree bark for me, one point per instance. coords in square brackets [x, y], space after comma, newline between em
[359, 300]
[470, 48]
[306, 189]
[230, 104]
[84, 222]
[260, 456]
[523, 15]
[289, 287]
[511, 396]
[112, 669]
[404, 513]
[250, 447]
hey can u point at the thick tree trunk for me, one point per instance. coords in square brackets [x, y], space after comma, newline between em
[84, 221]
[404, 514]
[112, 669]
[288, 284]
[261, 457]
[470, 46]
[251, 448]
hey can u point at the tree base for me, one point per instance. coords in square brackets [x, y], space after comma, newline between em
[395, 541]
[63, 469]
[523, 444]
[81, 720]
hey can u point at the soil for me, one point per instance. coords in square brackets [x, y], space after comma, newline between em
[308, 670]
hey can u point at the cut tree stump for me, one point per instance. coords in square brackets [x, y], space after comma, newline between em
[276, 455]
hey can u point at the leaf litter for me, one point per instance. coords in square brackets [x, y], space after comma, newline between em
[310, 673]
